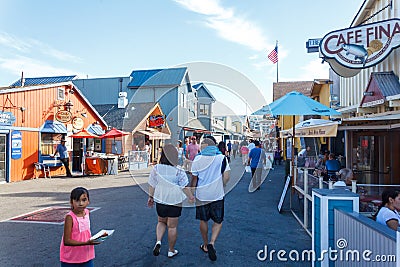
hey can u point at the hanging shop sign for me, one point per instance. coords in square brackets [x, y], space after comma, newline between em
[156, 121]
[77, 123]
[350, 50]
[16, 145]
[6, 118]
[63, 116]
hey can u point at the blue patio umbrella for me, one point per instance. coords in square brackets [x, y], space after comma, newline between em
[295, 103]
[262, 111]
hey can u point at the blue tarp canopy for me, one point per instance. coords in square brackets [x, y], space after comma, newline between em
[95, 129]
[53, 127]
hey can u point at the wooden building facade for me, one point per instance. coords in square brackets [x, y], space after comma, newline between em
[33, 119]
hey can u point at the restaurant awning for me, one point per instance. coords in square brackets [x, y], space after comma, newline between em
[313, 128]
[53, 127]
[195, 125]
[155, 135]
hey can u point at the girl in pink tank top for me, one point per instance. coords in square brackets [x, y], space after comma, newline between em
[76, 248]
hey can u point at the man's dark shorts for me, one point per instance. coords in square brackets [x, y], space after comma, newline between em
[213, 210]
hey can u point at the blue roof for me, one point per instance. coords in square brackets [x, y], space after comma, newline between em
[159, 77]
[202, 91]
[44, 80]
[53, 127]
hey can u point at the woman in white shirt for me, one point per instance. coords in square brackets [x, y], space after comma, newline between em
[167, 188]
[388, 211]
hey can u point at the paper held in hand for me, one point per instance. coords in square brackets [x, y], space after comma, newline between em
[102, 235]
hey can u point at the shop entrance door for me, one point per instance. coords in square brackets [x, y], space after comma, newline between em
[77, 153]
[3, 163]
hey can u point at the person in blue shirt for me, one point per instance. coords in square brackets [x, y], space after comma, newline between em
[332, 166]
[256, 160]
[229, 145]
[64, 157]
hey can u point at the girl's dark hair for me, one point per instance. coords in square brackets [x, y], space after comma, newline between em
[386, 194]
[78, 192]
[169, 155]
[222, 147]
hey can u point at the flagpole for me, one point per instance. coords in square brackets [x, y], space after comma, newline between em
[277, 62]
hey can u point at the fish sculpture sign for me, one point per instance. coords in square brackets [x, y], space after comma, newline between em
[352, 49]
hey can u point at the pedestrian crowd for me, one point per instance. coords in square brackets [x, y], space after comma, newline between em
[207, 166]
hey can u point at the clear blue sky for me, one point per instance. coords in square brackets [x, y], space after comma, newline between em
[99, 38]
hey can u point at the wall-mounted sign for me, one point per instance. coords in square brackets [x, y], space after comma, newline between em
[16, 145]
[77, 123]
[360, 47]
[156, 121]
[63, 116]
[6, 118]
[312, 45]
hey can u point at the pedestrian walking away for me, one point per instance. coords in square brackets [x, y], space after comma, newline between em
[167, 188]
[235, 147]
[64, 156]
[256, 161]
[191, 151]
[210, 172]
[76, 248]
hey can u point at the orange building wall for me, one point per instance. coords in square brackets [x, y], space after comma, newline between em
[40, 105]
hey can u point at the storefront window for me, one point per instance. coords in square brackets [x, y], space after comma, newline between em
[49, 142]
[363, 158]
[363, 154]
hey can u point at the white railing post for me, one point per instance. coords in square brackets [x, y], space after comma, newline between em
[354, 186]
[305, 203]
[330, 184]
[397, 249]
[321, 182]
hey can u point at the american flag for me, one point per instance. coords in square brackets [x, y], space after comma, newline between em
[273, 56]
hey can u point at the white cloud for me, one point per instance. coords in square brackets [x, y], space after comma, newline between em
[30, 45]
[55, 53]
[32, 67]
[13, 42]
[314, 70]
[228, 24]
[253, 57]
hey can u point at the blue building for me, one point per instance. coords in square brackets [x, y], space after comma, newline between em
[157, 93]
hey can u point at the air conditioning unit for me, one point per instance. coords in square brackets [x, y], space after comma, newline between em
[122, 99]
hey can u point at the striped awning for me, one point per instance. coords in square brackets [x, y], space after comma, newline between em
[53, 127]
[156, 135]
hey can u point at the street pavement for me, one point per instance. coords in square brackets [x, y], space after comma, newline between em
[252, 222]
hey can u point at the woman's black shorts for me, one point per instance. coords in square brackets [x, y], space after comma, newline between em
[168, 210]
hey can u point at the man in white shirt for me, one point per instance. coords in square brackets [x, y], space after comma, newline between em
[251, 145]
[210, 172]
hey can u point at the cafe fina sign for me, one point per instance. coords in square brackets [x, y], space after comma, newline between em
[352, 49]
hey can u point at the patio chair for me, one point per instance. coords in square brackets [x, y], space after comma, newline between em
[42, 167]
